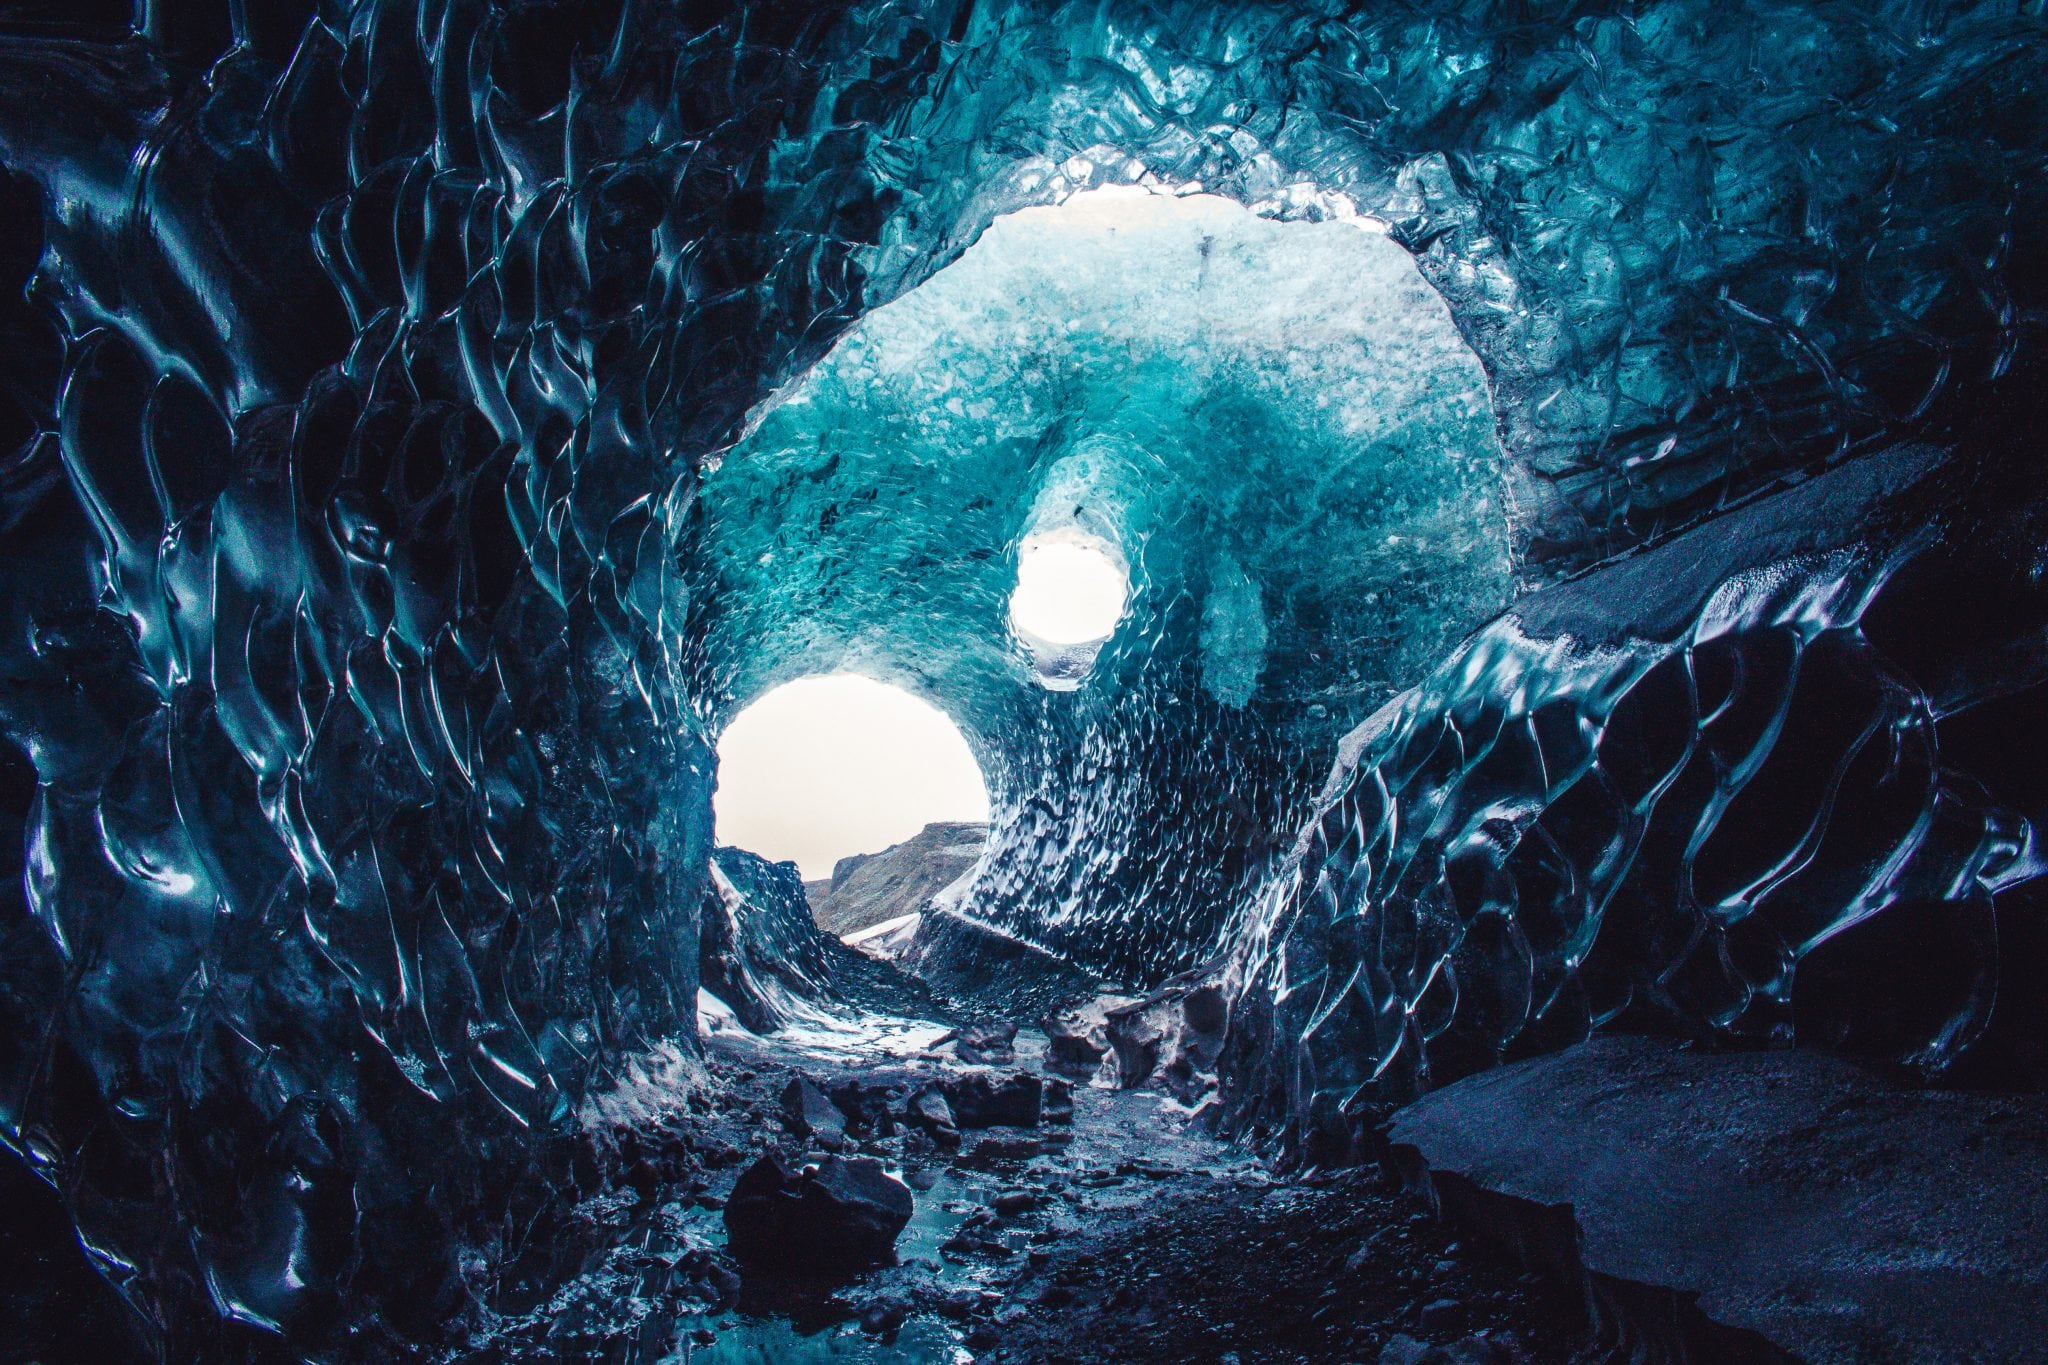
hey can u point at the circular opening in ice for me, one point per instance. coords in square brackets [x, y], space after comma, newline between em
[828, 766]
[1068, 592]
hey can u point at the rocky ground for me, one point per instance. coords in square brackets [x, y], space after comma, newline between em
[1221, 1269]
[1090, 1224]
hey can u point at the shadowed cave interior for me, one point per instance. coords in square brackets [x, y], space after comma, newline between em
[1530, 854]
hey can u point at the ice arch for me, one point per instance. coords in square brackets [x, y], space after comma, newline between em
[1275, 430]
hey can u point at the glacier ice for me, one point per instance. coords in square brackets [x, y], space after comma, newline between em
[426, 421]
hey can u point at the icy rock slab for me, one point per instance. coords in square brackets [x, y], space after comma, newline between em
[1752, 1206]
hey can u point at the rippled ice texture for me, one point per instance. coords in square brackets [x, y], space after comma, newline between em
[358, 625]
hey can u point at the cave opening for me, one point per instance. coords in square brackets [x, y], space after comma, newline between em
[1157, 496]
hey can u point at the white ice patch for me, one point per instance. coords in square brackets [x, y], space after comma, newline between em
[1233, 634]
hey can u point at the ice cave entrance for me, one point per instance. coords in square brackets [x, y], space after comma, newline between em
[1069, 591]
[838, 764]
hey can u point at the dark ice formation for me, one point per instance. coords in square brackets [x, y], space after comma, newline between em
[425, 422]
[1769, 779]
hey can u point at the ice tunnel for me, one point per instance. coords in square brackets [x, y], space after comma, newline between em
[1270, 431]
[1558, 498]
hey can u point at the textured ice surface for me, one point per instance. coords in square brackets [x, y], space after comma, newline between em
[359, 628]
[1273, 425]
[1714, 789]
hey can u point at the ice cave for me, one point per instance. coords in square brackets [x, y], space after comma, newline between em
[987, 680]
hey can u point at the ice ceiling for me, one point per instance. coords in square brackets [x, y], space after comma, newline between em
[429, 420]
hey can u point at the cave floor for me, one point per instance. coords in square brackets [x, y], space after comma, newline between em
[1144, 1240]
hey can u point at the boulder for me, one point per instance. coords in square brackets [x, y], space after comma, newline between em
[1172, 1036]
[1077, 1039]
[992, 1042]
[929, 1110]
[988, 1099]
[842, 1214]
[810, 1112]
[1751, 1206]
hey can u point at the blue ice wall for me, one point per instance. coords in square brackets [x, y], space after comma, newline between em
[1773, 780]
[356, 665]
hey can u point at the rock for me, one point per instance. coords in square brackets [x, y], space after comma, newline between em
[992, 1152]
[810, 1112]
[1011, 1203]
[986, 1099]
[1710, 1204]
[1482, 1349]
[843, 1214]
[1439, 1313]
[868, 1108]
[1175, 1034]
[1058, 1104]
[882, 1318]
[1076, 1039]
[959, 1305]
[929, 1111]
[991, 1042]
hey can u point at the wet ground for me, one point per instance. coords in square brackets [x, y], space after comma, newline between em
[1119, 1235]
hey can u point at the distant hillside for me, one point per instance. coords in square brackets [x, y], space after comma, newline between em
[869, 888]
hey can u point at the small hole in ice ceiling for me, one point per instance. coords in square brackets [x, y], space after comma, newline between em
[1068, 593]
[824, 767]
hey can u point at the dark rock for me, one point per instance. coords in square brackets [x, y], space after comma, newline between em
[1175, 1034]
[844, 1213]
[1743, 1206]
[883, 1318]
[868, 1108]
[1438, 1313]
[993, 1042]
[1077, 1039]
[1011, 1203]
[929, 1112]
[993, 1150]
[959, 1305]
[1058, 1101]
[986, 1099]
[810, 1112]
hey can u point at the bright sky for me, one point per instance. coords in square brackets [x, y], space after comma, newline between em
[824, 767]
[1067, 594]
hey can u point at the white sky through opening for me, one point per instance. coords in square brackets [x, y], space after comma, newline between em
[1068, 593]
[828, 766]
